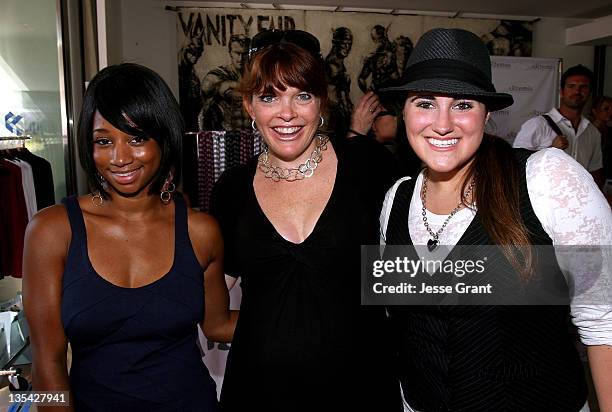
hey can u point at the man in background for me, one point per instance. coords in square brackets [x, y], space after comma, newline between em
[566, 128]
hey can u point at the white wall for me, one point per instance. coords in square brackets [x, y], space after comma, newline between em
[149, 37]
[114, 30]
[549, 41]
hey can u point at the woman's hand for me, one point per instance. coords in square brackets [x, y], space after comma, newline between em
[560, 142]
[364, 114]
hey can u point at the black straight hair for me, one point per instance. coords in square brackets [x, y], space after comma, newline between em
[137, 101]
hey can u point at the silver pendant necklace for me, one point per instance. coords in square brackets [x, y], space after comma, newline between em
[433, 242]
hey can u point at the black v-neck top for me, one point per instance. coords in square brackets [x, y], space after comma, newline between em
[303, 340]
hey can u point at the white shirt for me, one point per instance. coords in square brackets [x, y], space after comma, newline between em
[572, 212]
[27, 183]
[584, 145]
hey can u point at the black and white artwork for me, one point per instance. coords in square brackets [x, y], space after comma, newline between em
[510, 38]
[361, 52]
[338, 78]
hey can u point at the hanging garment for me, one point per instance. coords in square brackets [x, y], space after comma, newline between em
[13, 218]
[246, 146]
[43, 177]
[232, 149]
[27, 182]
[218, 138]
[205, 169]
[218, 151]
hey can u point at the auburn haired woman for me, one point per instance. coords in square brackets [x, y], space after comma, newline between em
[293, 221]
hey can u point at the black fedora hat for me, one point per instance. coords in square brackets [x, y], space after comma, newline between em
[452, 62]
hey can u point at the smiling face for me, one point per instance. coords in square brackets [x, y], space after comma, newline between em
[128, 163]
[444, 132]
[288, 121]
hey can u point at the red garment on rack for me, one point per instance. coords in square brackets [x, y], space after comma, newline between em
[13, 219]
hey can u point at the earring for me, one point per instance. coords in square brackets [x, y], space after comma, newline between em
[168, 189]
[97, 199]
[322, 121]
[254, 125]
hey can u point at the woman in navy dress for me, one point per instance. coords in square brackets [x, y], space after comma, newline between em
[126, 273]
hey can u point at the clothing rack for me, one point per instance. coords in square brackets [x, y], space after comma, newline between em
[207, 154]
[7, 138]
[21, 139]
[27, 184]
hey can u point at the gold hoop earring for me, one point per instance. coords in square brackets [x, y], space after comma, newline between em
[166, 194]
[97, 199]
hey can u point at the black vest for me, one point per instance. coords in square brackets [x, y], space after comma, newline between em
[485, 358]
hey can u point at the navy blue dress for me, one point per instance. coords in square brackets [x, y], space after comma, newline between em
[134, 349]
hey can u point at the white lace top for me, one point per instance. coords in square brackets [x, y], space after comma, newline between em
[572, 211]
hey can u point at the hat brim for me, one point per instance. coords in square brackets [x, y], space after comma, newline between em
[493, 101]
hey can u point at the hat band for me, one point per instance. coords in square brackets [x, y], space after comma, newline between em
[449, 69]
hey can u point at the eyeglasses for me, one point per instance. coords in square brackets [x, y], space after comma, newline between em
[300, 38]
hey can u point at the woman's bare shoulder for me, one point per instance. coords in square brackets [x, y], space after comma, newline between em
[49, 226]
[205, 236]
[202, 223]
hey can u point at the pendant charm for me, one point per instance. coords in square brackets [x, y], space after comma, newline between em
[432, 244]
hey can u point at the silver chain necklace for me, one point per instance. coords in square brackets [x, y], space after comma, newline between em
[432, 243]
[306, 169]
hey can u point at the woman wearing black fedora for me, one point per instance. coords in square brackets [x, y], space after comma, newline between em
[476, 190]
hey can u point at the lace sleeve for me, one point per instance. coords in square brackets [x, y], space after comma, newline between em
[573, 212]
